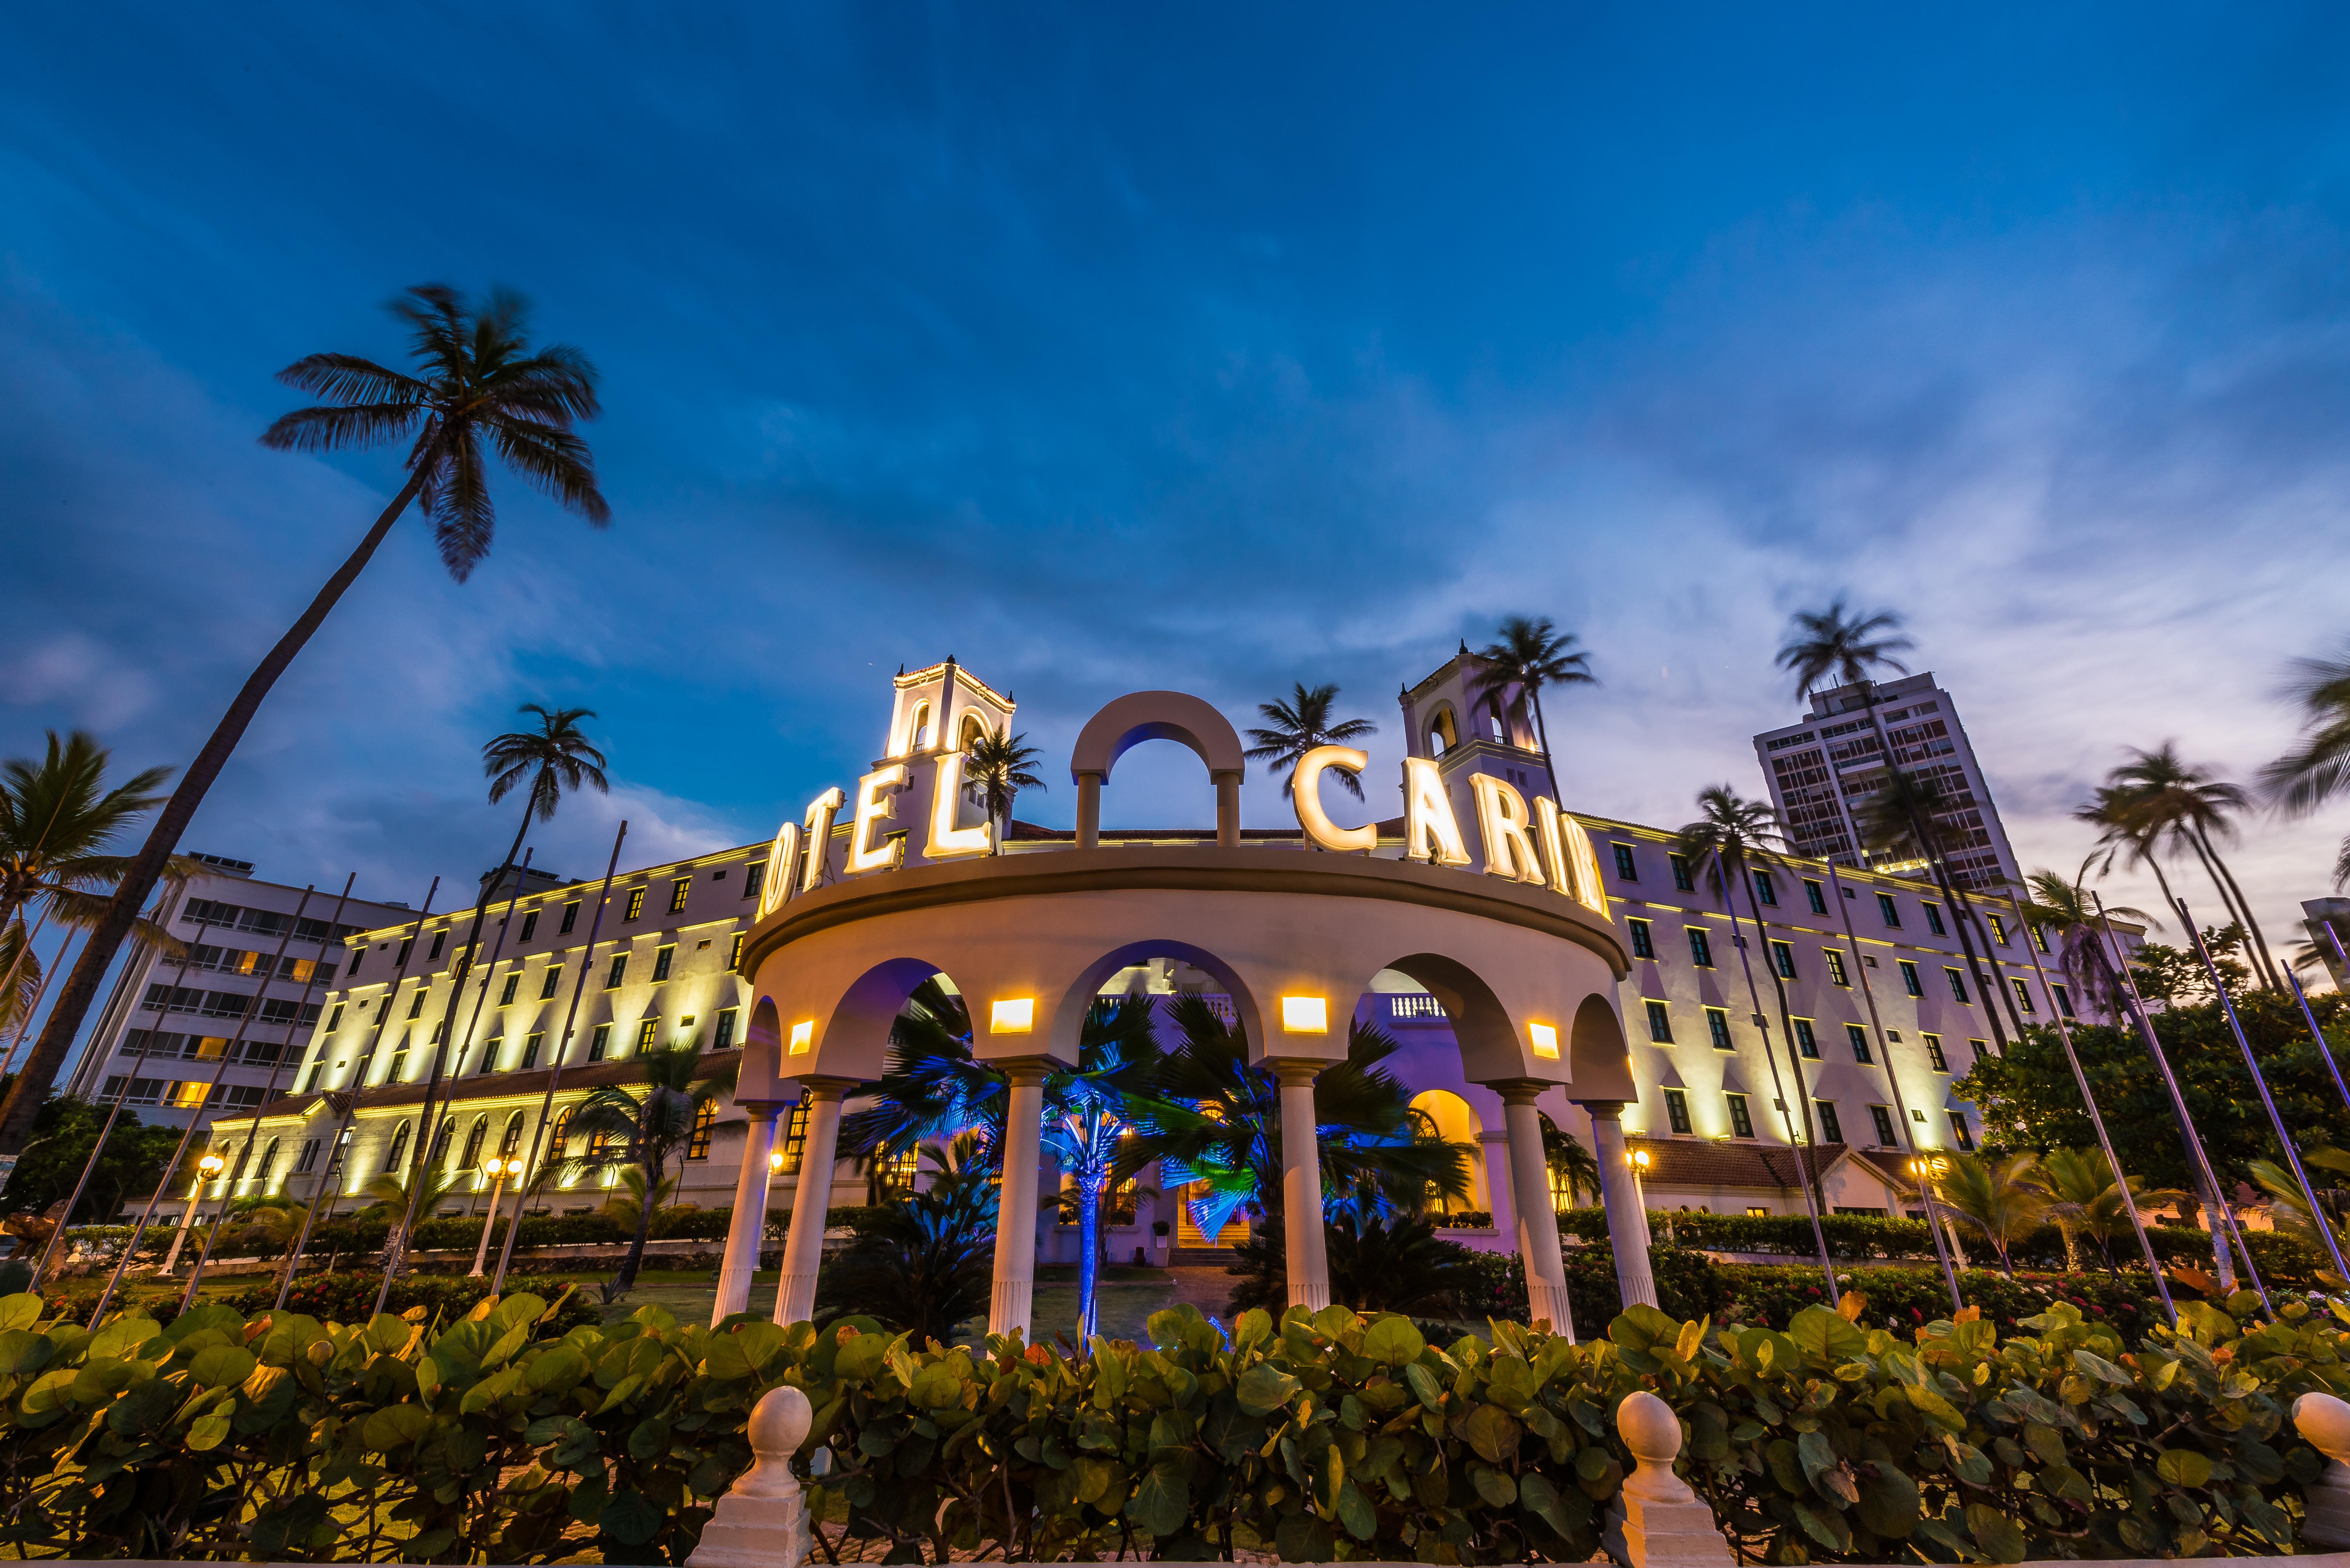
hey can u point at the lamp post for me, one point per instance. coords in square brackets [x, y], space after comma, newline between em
[497, 1169]
[1928, 1169]
[1640, 1192]
[208, 1170]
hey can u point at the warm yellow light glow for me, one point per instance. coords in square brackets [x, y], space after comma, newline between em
[876, 803]
[212, 1165]
[948, 841]
[775, 1163]
[1431, 831]
[1545, 1040]
[1501, 822]
[803, 1036]
[1640, 1160]
[1013, 1015]
[818, 821]
[775, 885]
[1306, 793]
[1584, 860]
[1306, 1015]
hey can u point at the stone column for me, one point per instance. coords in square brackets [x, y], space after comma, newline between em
[1493, 1147]
[1619, 1194]
[1308, 1261]
[1537, 1222]
[749, 1225]
[803, 1243]
[1089, 788]
[1228, 811]
[1009, 1302]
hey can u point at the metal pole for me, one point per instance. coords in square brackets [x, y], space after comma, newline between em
[1900, 1107]
[2096, 1118]
[358, 1082]
[2318, 1034]
[2226, 1217]
[482, 1248]
[555, 1071]
[2276, 1122]
[189, 1132]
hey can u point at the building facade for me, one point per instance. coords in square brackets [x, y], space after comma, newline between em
[1823, 772]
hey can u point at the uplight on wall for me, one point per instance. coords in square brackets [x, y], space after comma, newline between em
[1545, 1040]
[1012, 1015]
[803, 1036]
[1306, 1015]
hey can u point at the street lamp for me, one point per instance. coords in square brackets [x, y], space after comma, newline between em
[208, 1169]
[497, 1169]
[1639, 1158]
[1928, 1169]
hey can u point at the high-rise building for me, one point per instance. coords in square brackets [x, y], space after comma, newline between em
[1824, 770]
[167, 1025]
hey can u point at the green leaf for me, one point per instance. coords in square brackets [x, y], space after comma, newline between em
[207, 1433]
[1890, 1503]
[1997, 1535]
[1825, 1525]
[1826, 1337]
[559, 1369]
[1641, 1327]
[22, 1311]
[1492, 1432]
[2097, 1366]
[394, 1426]
[1160, 1500]
[1356, 1512]
[1494, 1486]
[224, 1365]
[1334, 1319]
[2184, 1468]
[861, 1357]
[1394, 1340]
[22, 1352]
[1303, 1538]
[1424, 1384]
[630, 1519]
[1264, 1388]
[387, 1333]
[1935, 1405]
[1817, 1455]
[121, 1338]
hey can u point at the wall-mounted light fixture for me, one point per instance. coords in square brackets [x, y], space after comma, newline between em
[803, 1036]
[1012, 1015]
[1545, 1040]
[1306, 1015]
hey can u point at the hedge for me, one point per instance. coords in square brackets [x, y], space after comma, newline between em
[344, 1298]
[500, 1437]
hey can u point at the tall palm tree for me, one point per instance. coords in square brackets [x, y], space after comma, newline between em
[649, 1132]
[2083, 1199]
[2000, 1197]
[1531, 654]
[2061, 906]
[2317, 770]
[1907, 811]
[1299, 725]
[2194, 810]
[556, 757]
[1837, 647]
[1092, 1114]
[478, 384]
[997, 767]
[1733, 839]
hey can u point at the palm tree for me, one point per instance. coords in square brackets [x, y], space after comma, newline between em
[997, 767]
[2083, 1199]
[2175, 799]
[1733, 839]
[647, 1133]
[555, 758]
[1299, 725]
[626, 1207]
[2000, 1197]
[2317, 770]
[1531, 655]
[1835, 648]
[923, 1264]
[392, 1193]
[1907, 812]
[1092, 1114]
[478, 383]
[1571, 1165]
[2062, 907]
[931, 1088]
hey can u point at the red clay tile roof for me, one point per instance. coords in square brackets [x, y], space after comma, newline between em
[1703, 1162]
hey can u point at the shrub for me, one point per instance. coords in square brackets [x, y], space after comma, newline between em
[1399, 1264]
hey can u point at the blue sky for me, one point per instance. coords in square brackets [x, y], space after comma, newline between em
[1212, 349]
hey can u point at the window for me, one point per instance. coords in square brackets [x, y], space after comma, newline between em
[706, 1120]
[1934, 1057]
[571, 918]
[1883, 1117]
[268, 1162]
[530, 1044]
[636, 903]
[663, 959]
[1961, 1131]
[399, 1061]
[1998, 930]
[1831, 1129]
[383, 1012]
[1817, 897]
[357, 954]
[647, 1032]
[416, 1003]
[1858, 1037]
[754, 876]
[1625, 870]
[724, 1036]
[1884, 908]
[440, 1031]
[1681, 880]
[335, 1019]
[1660, 1028]
[1836, 975]
[473, 1141]
[2063, 1000]
[1909, 980]
[1782, 959]
[1677, 1110]
[1764, 892]
[734, 953]
[529, 925]
[553, 978]
[1740, 1124]
[1757, 1211]
[598, 1041]
[677, 891]
[513, 983]
[510, 1144]
[406, 943]
[795, 1139]
[1958, 984]
[1806, 1043]
[1644, 943]
[559, 1141]
[308, 1158]
[399, 1147]
[618, 972]
[1717, 1025]
[439, 938]
[2023, 994]
[1979, 1048]
[490, 1049]
[1934, 918]
[1701, 949]
[441, 1142]
[2038, 938]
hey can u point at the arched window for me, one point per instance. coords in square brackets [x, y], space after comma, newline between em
[244, 1153]
[511, 1144]
[474, 1140]
[268, 1163]
[1443, 735]
[441, 1141]
[399, 1147]
[918, 728]
[974, 730]
[705, 1119]
[560, 1147]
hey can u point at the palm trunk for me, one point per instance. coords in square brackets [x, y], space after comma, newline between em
[635, 1260]
[2233, 896]
[1088, 1258]
[32, 1084]
[1542, 733]
[2222, 1256]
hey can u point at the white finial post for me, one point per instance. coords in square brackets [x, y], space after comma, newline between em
[762, 1519]
[2324, 1420]
[1659, 1521]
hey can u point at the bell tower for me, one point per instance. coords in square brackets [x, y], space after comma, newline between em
[934, 716]
[1456, 721]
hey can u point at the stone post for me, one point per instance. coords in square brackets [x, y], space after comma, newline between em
[1228, 811]
[1308, 1260]
[1619, 1194]
[1530, 1201]
[762, 1522]
[2324, 1420]
[1089, 788]
[803, 1243]
[1657, 1521]
[1009, 1302]
[749, 1224]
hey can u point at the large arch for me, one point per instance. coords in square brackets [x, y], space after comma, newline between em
[1482, 1026]
[1127, 721]
[1069, 1014]
[1599, 1061]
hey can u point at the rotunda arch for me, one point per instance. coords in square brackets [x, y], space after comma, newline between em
[1069, 1014]
[1127, 721]
[1599, 1059]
